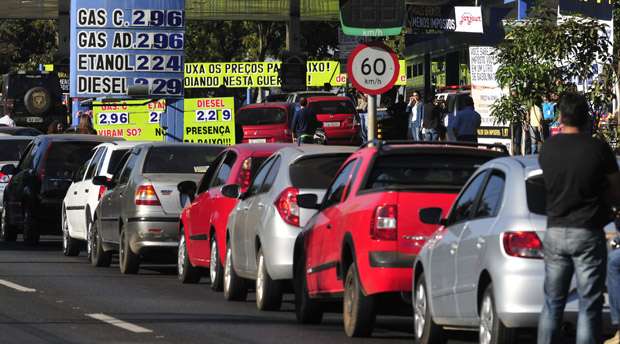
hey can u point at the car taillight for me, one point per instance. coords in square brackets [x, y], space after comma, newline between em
[523, 245]
[102, 190]
[287, 206]
[4, 178]
[245, 176]
[145, 195]
[384, 224]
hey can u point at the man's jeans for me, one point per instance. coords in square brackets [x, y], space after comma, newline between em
[535, 139]
[613, 286]
[414, 131]
[568, 251]
[431, 135]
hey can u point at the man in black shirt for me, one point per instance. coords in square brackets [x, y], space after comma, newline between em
[304, 123]
[582, 183]
[431, 116]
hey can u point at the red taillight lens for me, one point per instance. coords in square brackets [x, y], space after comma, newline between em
[523, 245]
[145, 195]
[102, 190]
[287, 206]
[4, 178]
[384, 225]
[245, 176]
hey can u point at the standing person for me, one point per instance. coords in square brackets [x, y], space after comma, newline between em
[467, 122]
[362, 110]
[582, 181]
[304, 123]
[85, 126]
[613, 284]
[55, 128]
[415, 110]
[7, 120]
[536, 129]
[548, 109]
[430, 119]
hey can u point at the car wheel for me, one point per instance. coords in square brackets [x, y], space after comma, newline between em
[129, 262]
[235, 288]
[30, 230]
[70, 246]
[492, 331]
[216, 270]
[187, 273]
[98, 257]
[425, 329]
[7, 232]
[358, 309]
[268, 291]
[307, 310]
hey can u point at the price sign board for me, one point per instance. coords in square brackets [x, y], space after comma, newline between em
[116, 44]
[209, 120]
[133, 120]
[373, 68]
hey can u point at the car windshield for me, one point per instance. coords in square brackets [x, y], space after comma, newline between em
[333, 107]
[115, 158]
[63, 158]
[180, 159]
[423, 171]
[11, 150]
[536, 195]
[263, 116]
[315, 172]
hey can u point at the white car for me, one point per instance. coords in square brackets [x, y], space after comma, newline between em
[11, 149]
[82, 198]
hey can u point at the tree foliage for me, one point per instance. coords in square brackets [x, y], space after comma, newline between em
[24, 44]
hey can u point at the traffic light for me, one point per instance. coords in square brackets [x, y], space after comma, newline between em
[372, 17]
[293, 72]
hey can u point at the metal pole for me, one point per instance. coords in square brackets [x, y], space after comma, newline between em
[371, 121]
[293, 27]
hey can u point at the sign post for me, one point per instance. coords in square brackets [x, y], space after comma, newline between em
[373, 69]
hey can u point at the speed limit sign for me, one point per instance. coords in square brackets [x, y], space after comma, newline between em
[373, 68]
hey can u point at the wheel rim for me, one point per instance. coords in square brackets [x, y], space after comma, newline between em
[121, 250]
[420, 311]
[3, 229]
[260, 279]
[181, 256]
[349, 295]
[227, 269]
[88, 247]
[213, 262]
[65, 233]
[486, 320]
[92, 243]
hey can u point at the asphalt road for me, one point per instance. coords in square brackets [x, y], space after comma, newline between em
[48, 298]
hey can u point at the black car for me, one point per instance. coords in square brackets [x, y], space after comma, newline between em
[34, 99]
[20, 131]
[33, 198]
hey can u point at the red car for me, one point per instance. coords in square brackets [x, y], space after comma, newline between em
[266, 122]
[339, 118]
[203, 222]
[361, 246]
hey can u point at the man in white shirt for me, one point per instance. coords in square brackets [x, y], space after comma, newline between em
[414, 109]
[7, 120]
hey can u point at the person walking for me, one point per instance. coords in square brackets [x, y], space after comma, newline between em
[613, 284]
[362, 110]
[85, 124]
[415, 110]
[304, 123]
[536, 129]
[582, 182]
[431, 117]
[467, 122]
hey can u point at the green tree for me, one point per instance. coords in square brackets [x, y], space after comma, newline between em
[24, 44]
[214, 41]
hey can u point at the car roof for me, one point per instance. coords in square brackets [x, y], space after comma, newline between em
[12, 130]
[176, 144]
[396, 147]
[14, 137]
[260, 147]
[301, 93]
[78, 137]
[266, 105]
[293, 152]
[327, 98]
[120, 144]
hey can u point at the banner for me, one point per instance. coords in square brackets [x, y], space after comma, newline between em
[133, 120]
[468, 19]
[599, 9]
[209, 120]
[430, 19]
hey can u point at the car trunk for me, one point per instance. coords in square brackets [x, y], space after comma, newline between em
[165, 185]
[262, 125]
[332, 122]
[266, 133]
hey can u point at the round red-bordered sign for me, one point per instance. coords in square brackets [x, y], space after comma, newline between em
[373, 68]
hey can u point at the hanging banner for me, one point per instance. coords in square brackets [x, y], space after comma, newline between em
[468, 19]
[209, 120]
[133, 120]
[430, 19]
[599, 9]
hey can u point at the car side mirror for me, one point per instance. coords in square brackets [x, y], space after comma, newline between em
[431, 216]
[188, 188]
[9, 169]
[103, 181]
[308, 201]
[231, 191]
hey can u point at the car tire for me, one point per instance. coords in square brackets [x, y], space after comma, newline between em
[29, 229]
[491, 329]
[129, 262]
[70, 246]
[98, 257]
[235, 287]
[268, 291]
[307, 310]
[7, 231]
[425, 330]
[358, 309]
[216, 270]
[186, 272]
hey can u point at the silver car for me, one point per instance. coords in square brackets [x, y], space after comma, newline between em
[263, 226]
[484, 268]
[139, 214]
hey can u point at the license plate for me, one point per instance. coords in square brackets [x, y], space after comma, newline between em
[34, 119]
[258, 140]
[331, 124]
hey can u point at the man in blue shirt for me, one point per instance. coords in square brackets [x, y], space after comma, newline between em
[304, 123]
[467, 122]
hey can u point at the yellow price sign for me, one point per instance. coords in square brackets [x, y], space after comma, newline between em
[209, 120]
[133, 120]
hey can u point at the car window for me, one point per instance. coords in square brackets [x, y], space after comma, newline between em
[12, 150]
[208, 176]
[335, 191]
[27, 161]
[180, 159]
[94, 162]
[224, 170]
[63, 158]
[316, 172]
[271, 177]
[121, 164]
[491, 199]
[129, 167]
[79, 174]
[261, 116]
[333, 107]
[260, 178]
[115, 159]
[464, 205]
[536, 195]
[358, 163]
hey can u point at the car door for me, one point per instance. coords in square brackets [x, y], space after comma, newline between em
[238, 236]
[73, 206]
[444, 251]
[84, 191]
[472, 244]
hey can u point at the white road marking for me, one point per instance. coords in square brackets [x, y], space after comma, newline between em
[119, 323]
[17, 286]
